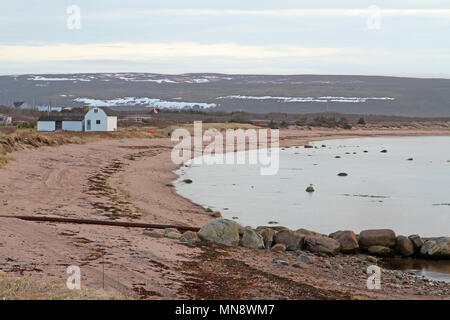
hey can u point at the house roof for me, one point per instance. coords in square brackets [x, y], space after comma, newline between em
[108, 111]
[18, 103]
[69, 117]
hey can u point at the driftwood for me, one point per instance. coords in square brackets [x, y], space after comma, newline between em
[101, 222]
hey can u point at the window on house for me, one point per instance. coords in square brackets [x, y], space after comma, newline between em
[98, 122]
[95, 110]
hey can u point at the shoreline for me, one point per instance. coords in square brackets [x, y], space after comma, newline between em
[128, 177]
[290, 144]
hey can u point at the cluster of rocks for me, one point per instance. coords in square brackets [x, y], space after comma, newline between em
[383, 242]
[188, 237]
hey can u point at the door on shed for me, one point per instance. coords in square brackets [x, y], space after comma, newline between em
[58, 125]
[88, 125]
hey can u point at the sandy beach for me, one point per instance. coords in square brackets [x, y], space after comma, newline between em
[126, 180]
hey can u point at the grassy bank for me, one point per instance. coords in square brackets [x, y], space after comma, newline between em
[12, 139]
[12, 288]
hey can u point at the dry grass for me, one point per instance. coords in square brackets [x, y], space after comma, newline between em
[30, 289]
[12, 139]
[218, 126]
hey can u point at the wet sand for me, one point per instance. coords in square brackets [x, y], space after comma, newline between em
[126, 180]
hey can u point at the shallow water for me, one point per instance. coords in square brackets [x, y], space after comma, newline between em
[438, 270]
[382, 190]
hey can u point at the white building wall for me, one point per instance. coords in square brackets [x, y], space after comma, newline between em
[46, 126]
[72, 126]
[93, 117]
[112, 123]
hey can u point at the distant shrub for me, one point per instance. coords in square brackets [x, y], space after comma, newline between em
[284, 124]
[273, 125]
[239, 117]
[330, 122]
[361, 121]
[26, 125]
[302, 122]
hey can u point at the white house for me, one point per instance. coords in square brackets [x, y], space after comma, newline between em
[5, 120]
[100, 120]
[95, 119]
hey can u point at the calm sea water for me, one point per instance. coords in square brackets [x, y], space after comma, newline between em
[382, 190]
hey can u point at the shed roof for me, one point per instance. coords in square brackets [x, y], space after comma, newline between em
[108, 111]
[71, 117]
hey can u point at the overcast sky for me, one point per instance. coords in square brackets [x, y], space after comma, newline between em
[402, 38]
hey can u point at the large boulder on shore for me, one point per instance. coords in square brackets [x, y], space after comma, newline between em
[438, 248]
[307, 232]
[292, 240]
[416, 241]
[347, 240]
[221, 231]
[251, 239]
[381, 237]
[404, 246]
[322, 245]
[268, 235]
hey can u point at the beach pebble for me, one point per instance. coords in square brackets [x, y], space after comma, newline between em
[154, 233]
[189, 237]
[303, 258]
[300, 265]
[281, 262]
[174, 235]
[168, 230]
[279, 248]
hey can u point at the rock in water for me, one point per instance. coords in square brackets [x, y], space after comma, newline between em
[290, 239]
[347, 240]
[221, 231]
[252, 240]
[417, 241]
[322, 245]
[381, 237]
[404, 246]
[310, 189]
[342, 174]
[436, 248]
[381, 251]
